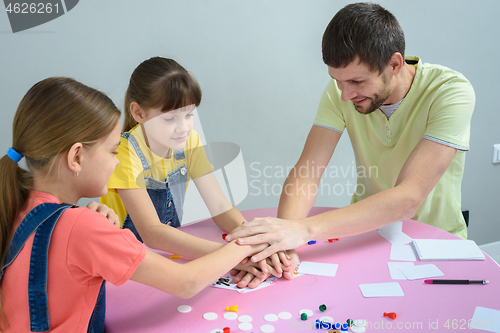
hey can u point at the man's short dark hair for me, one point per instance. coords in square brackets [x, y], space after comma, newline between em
[366, 30]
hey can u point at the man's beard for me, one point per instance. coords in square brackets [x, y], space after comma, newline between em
[377, 100]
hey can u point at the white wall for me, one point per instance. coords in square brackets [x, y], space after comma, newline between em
[259, 65]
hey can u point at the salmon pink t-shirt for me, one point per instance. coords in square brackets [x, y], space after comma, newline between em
[85, 248]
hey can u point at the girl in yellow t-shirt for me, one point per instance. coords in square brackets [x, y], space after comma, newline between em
[159, 151]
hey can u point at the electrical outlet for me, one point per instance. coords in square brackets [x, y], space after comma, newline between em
[496, 153]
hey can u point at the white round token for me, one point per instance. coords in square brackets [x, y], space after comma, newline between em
[360, 322]
[245, 319]
[245, 326]
[217, 330]
[327, 319]
[359, 326]
[230, 315]
[285, 315]
[357, 329]
[210, 316]
[308, 312]
[271, 317]
[183, 308]
[267, 328]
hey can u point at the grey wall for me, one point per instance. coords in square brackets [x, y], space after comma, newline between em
[259, 65]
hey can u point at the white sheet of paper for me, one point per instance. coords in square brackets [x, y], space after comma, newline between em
[394, 269]
[447, 249]
[397, 238]
[402, 252]
[296, 272]
[388, 289]
[395, 227]
[421, 271]
[317, 268]
[486, 319]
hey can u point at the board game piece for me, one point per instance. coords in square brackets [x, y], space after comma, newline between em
[267, 328]
[306, 311]
[245, 319]
[233, 308]
[245, 326]
[391, 315]
[230, 315]
[271, 317]
[183, 308]
[285, 315]
[210, 316]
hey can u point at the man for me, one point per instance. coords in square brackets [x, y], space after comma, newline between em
[409, 121]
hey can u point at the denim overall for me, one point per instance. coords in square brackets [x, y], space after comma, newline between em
[168, 196]
[41, 220]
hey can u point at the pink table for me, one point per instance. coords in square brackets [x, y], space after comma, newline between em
[362, 259]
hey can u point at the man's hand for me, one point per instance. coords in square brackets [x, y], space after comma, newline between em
[280, 234]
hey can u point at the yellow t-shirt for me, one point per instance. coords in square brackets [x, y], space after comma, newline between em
[438, 107]
[129, 174]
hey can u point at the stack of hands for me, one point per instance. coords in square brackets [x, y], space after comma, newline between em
[278, 258]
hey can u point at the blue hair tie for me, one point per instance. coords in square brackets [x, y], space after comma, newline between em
[14, 155]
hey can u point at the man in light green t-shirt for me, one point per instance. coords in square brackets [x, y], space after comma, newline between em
[409, 125]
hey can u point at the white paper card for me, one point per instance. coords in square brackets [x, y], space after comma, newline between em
[317, 268]
[395, 227]
[486, 319]
[387, 289]
[225, 282]
[421, 271]
[394, 233]
[402, 252]
[397, 238]
[394, 269]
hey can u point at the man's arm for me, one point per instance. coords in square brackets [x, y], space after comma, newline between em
[302, 184]
[420, 173]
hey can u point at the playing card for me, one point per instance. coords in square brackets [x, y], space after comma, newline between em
[225, 282]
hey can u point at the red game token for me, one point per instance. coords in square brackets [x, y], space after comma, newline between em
[391, 315]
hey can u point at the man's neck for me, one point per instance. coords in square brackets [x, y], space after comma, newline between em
[403, 82]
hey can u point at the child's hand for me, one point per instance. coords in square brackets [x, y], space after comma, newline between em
[248, 273]
[276, 264]
[279, 262]
[294, 260]
[106, 211]
[246, 279]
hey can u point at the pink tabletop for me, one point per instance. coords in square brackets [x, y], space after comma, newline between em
[361, 259]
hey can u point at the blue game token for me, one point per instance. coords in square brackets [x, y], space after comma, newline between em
[326, 325]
